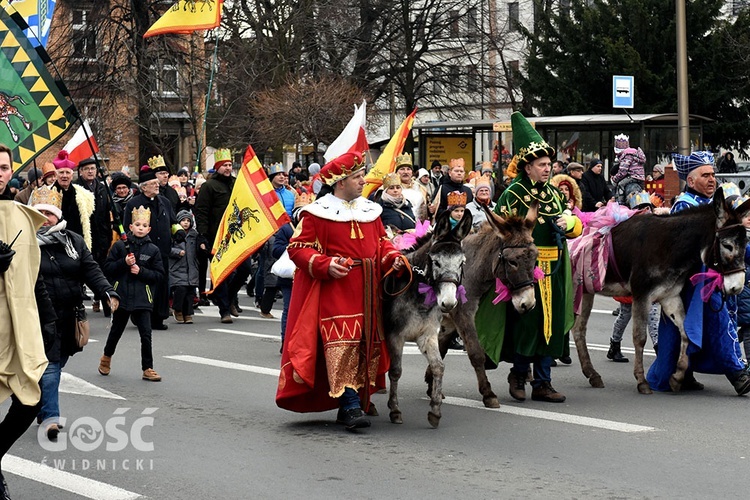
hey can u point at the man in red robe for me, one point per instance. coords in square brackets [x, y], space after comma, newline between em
[334, 352]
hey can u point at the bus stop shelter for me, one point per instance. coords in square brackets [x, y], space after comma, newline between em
[575, 137]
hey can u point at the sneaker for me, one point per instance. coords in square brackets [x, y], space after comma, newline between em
[456, 344]
[188, 320]
[545, 392]
[566, 360]
[52, 431]
[237, 306]
[742, 384]
[159, 326]
[517, 385]
[104, 365]
[267, 315]
[234, 311]
[95, 306]
[353, 418]
[226, 319]
[150, 375]
[178, 317]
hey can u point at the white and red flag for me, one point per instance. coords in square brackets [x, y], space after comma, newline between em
[78, 147]
[353, 138]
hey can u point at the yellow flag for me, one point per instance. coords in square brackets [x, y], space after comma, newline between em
[387, 159]
[253, 215]
[187, 16]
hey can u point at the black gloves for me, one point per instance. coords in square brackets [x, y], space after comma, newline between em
[6, 256]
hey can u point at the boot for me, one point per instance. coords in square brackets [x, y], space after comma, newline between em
[614, 353]
[517, 385]
[105, 364]
[545, 392]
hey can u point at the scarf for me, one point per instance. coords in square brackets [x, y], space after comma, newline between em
[122, 199]
[396, 202]
[57, 234]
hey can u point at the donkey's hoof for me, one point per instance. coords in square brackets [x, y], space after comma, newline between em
[644, 388]
[396, 417]
[491, 401]
[674, 384]
[596, 381]
[433, 419]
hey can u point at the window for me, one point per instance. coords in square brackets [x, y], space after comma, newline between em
[513, 22]
[83, 35]
[165, 81]
[472, 78]
[455, 23]
[473, 27]
[514, 72]
[454, 76]
[437, 82]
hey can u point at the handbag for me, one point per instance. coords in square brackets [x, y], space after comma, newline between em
[82, 328]
[284, 267]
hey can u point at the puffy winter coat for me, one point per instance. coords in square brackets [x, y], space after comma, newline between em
[183, 269]
[135, 290]
[401, 218]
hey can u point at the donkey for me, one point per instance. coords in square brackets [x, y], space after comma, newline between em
[502, 249]
[437, 266]
[710, 234]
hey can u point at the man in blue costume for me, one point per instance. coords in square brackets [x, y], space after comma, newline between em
[711, 329]
[537, 336]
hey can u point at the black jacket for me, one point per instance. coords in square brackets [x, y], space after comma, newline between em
[401, 218]
[135, 290]
[101, 229]
[212, 200]
[169, 193]
[594, 189]
[47, 318]
[448, 187]
[63, 277]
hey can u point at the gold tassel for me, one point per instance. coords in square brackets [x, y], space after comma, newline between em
[353, 235]
[361, 236]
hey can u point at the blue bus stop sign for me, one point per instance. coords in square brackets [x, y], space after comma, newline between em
[622, 91]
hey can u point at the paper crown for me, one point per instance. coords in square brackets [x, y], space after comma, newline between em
[47, 198]
[173, 181]
[487, 165]
[275, 168]
[622, 141]
[302, 200]
[457, 162]
[403, 160]
[457, 199]
[482, 182]
[222, 156]
[639, 199]
[529, 144]
[157, 162]
[341, 167]
[391, 179]
[142, 214]
[62, 161]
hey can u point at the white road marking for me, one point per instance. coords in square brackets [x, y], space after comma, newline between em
[73, 385]
[468, 403]
[67, 481]
[602, 311]
[605, 348]
[246, 334]
[225, 364]
[214, 311]
[609, 425]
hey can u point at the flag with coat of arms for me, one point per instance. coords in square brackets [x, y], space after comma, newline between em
[253, 215]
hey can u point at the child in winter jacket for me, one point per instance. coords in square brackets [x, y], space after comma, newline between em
[133, 273]
[183, 267]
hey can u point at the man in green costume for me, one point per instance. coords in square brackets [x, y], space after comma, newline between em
[539, 335]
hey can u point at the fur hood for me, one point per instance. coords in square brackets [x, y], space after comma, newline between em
[563, 178]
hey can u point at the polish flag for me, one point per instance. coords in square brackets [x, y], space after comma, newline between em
[353, 138]
[78, 147]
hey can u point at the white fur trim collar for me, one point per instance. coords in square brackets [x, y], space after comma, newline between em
[335, 209]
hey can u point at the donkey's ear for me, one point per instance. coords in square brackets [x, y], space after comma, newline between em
[463, 228]
[720, 208]
[533, 212]
[442, 226]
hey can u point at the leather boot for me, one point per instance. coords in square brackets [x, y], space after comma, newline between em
[517, 385]
[615, 354]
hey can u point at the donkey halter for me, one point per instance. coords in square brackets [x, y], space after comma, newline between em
[501, 259]
[715, 253]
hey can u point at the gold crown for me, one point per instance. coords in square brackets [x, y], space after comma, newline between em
[156, 161]
[404, 159]
[222, 154]
[455, 162]
[391, 179]
[142, 214]
[46, 196]
[456, 198]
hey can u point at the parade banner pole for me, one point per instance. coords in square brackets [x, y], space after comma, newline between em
[208, 99]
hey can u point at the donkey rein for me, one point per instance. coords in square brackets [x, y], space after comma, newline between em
[408, 284]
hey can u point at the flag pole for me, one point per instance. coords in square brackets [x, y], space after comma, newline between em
[208, 99]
